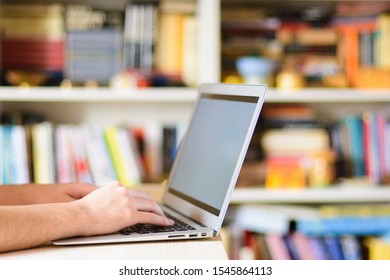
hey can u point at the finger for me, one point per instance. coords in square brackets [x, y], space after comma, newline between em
[147, 205]
[151, 218]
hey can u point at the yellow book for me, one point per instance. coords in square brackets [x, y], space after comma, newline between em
[169, 48]
[122, 170]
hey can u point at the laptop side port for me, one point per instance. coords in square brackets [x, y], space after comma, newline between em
[193, 235]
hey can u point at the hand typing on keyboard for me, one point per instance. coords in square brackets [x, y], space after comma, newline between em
[178, 225]
[114, 207]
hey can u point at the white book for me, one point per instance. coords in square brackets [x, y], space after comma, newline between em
[274, 219]
[130, 156]
[80, 155]
[2, 155]
[98, 157]
[19, 155]
[65, 164]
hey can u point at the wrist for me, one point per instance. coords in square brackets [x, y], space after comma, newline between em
[83, 217]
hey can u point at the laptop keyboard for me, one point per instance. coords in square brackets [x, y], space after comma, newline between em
[179, 225]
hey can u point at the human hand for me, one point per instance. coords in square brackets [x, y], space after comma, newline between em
[114, 207]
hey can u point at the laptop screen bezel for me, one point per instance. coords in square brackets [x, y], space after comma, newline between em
[187, 206]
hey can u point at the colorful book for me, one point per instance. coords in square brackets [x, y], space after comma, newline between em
[122, 156]
[98, 156]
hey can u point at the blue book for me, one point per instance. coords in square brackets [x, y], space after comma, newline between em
[334, 248]
[372, 225]
[355, 134]
[320, 249]
[351, 247]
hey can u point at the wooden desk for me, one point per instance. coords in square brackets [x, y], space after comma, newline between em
[202, 249]
[205, 249]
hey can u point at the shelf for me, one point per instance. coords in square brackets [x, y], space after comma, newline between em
[307, 196]
[55, 94]
[180, 95]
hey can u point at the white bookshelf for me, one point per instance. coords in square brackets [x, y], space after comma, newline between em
[172, 105]
[97, 95]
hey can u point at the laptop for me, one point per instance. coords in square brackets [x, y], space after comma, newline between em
[205, 169]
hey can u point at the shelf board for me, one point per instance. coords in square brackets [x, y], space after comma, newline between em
[308, 196]
[185, 95]
[56, 94]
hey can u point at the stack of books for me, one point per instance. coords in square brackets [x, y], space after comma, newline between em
[32, 42]
[94, 44]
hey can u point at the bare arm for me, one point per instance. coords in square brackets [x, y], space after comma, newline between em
[43, 193]
[106, 210]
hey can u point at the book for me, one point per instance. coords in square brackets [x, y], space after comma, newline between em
[307, 36]
[6, 154]
[349, 47]
[65, 163]
[383, 41]
[169, 147]
[354, 210]
[378, 247]
[140, 35]
[373, 225]
[277, 247]
[272, 219]
[43, 153]
[334, 247]
[82, 167]
[98, 157]
[169, 44]
[302, 245]
[285, 172]
[153, 152]
[319, 248]
[354, 130]
[18, 151]
[351, 247]
[122, 156]
[301, 141]
[190, 50]
[371, 146]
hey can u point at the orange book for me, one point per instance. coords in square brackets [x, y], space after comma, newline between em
[285, 172]
[349, 33]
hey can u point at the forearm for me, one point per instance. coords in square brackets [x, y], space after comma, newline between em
[29, 226]
[43, 193]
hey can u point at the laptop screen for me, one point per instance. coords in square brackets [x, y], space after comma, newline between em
[209, 154]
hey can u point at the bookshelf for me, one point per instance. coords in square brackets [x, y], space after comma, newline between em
[107, 106]
[261, 29]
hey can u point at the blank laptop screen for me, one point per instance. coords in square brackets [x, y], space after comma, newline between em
[209, 154]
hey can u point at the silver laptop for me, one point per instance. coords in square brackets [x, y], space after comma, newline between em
[206, 167]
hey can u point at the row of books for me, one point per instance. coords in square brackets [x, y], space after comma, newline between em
[297, 246]
[358, 220]
[155, 39]
[300, 150]
[33, 42]
[296, 232]
[47, 153]
[361, 143]
[94, 44]
[333, 48]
